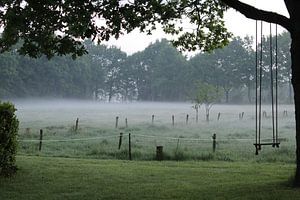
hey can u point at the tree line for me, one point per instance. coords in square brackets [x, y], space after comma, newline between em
[159, 73]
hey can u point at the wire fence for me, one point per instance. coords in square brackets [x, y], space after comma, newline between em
[140, 147]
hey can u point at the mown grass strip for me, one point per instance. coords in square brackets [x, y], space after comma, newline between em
[65, 178]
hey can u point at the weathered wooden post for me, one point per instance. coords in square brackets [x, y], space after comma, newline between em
[41, 139]
[214, 137]
[129, 146]
[187, 119]
[117, 121]
[120, 140]
[173, 121]
[126, 123]
[76, 124]
[242, 115]
[219, 115]
[152, 119]
[159, 153]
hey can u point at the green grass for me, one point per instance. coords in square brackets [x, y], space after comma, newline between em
[68, 178]
[235, 137]
[144, 148]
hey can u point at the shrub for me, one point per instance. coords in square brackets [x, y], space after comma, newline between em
[8, 139]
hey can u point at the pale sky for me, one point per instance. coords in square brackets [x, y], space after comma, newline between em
[235, 22]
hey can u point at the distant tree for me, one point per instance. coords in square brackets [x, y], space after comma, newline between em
[162, 72]
[138, 74]
[112, 65]
[206, 94]
[203, 67]
[228, 68]
[284, 62]
[246, 65]
[228, 61]
[128, 89]
[106, 63]
[8, 74]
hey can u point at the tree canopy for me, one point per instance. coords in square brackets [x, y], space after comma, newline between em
[159, 73]
[58, 27]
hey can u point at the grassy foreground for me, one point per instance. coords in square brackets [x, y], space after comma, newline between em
[65, 178]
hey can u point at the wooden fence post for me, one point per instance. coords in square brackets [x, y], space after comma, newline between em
[76, 124]
[120, 140]
[41, 139]
[152, 119]
[187, 119]
[214, 137]
[126, 123]
[159, 153]
[173, 121]
[129, 146]
[117, 121]
[219, 115]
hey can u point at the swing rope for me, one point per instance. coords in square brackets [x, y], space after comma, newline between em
[260, 83]
[256, 84]
[276, 82]
[258, 88]
[272, 85]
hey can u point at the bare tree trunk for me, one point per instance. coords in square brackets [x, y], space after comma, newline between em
[226, 90]
[295, 54]
[207, 108]
[249, 93]
[290, 91]
[227, 95]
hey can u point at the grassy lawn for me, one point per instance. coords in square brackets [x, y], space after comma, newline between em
[66, 178]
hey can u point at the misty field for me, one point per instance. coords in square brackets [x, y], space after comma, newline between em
[98, 137]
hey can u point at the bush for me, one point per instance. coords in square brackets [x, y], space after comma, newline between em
[8, 139]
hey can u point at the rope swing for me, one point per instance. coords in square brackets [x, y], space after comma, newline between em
[258, 88]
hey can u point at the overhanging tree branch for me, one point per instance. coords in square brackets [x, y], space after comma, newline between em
[257, 14]
[288, 4]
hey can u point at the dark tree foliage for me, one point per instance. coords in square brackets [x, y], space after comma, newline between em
[159, 73]
[57, 27]
[8, 139]
[163, 71]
